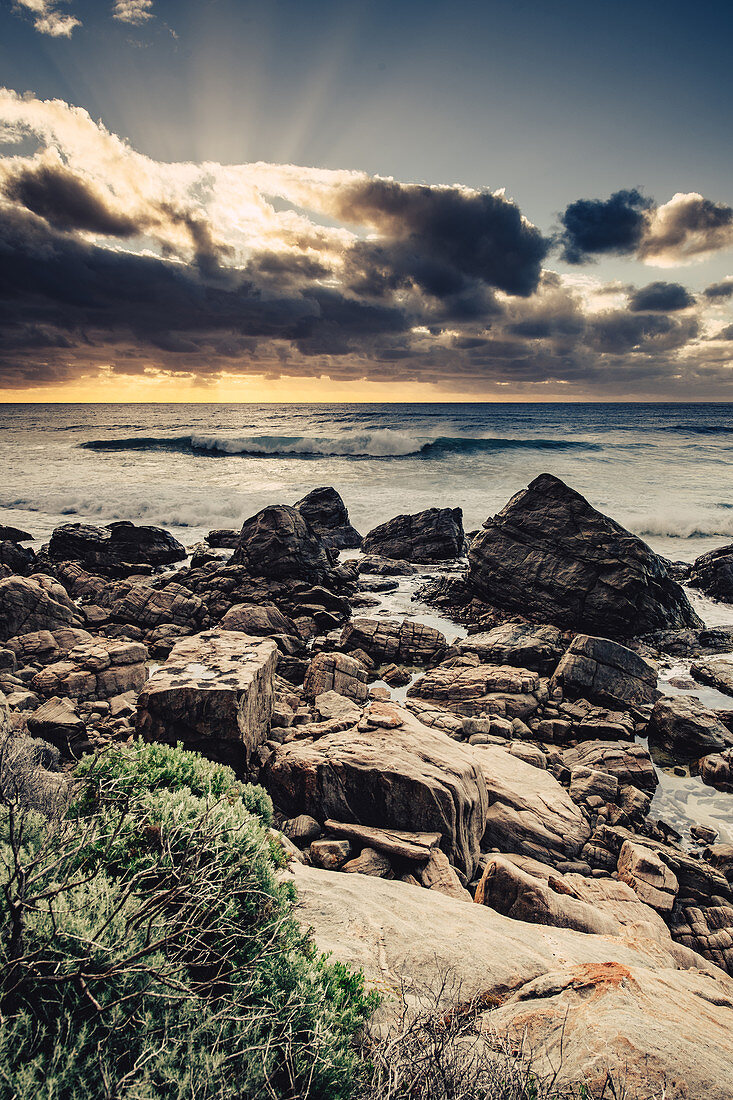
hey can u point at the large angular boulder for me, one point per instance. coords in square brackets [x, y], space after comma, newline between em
[115, 550]
[523, 644]
[529, 812]
[391, 772]
[650, 879]
[96, 669]
[405, 642]
[278, 542]
[264, 620]
[551, 556]
[214, 694]
[713, 573]
[35, 603]
[716, 770]
[326, 512]
[687, 729]
[605, 672]
[433, 535]
[585, 1004]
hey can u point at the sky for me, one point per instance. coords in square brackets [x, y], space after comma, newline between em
[335, 200]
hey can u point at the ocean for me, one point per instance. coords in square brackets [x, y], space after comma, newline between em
[665, 471]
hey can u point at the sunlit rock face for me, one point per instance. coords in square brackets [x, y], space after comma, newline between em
[553, 557]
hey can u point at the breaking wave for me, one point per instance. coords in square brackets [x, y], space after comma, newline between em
[384, 443]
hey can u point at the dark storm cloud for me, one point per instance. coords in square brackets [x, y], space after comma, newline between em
[661, 297]
[67, 290]
[66, 200]
[593, 226]
[442, 237]
[620, 332]
[718, 292]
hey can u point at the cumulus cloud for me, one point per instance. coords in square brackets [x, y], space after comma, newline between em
[135, 12]
[687, 228]
[112, 261]
[596, 226]
[661, 297]
[719, 292]
[48, 17]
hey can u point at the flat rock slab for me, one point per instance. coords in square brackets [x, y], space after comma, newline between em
[529, 811]
[390, 772]
[605, 1003]
[395, 842]
[214, 693]
[629, 763]
[523, 644]
[605, 672]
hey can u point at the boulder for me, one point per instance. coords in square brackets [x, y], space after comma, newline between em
[99, 668]
[45, 646]
[34, 603]
[597, 906]
[529, 812]
[147, 607]
[336, 672]
[650, 879]
[370, 862]
[588, 1004]
[14, 534]
[687, 729]
[391, 773]
[605, 672]
[628, 763]
[437, 874]
[713, 573]
[58, 721]
[707, 929]
[278, 542]
[223, 538]
[716, 671]
[326, 512]
[433, 535]
[116, 550]
[407, 642]
[521, 644]
[550, 555]
[214, 694]
[263, 621]
[716, 770]
[329, 854]
[385, 567]
[16, 558]
[480, 689]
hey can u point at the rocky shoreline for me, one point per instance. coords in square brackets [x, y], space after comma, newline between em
[504, 753]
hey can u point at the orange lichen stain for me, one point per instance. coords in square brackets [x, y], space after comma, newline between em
[602, 976]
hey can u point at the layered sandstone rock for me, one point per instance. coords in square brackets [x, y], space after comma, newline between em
[605, 672]
[390, 772]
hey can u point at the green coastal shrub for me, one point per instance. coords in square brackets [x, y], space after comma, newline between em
[149, 953]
